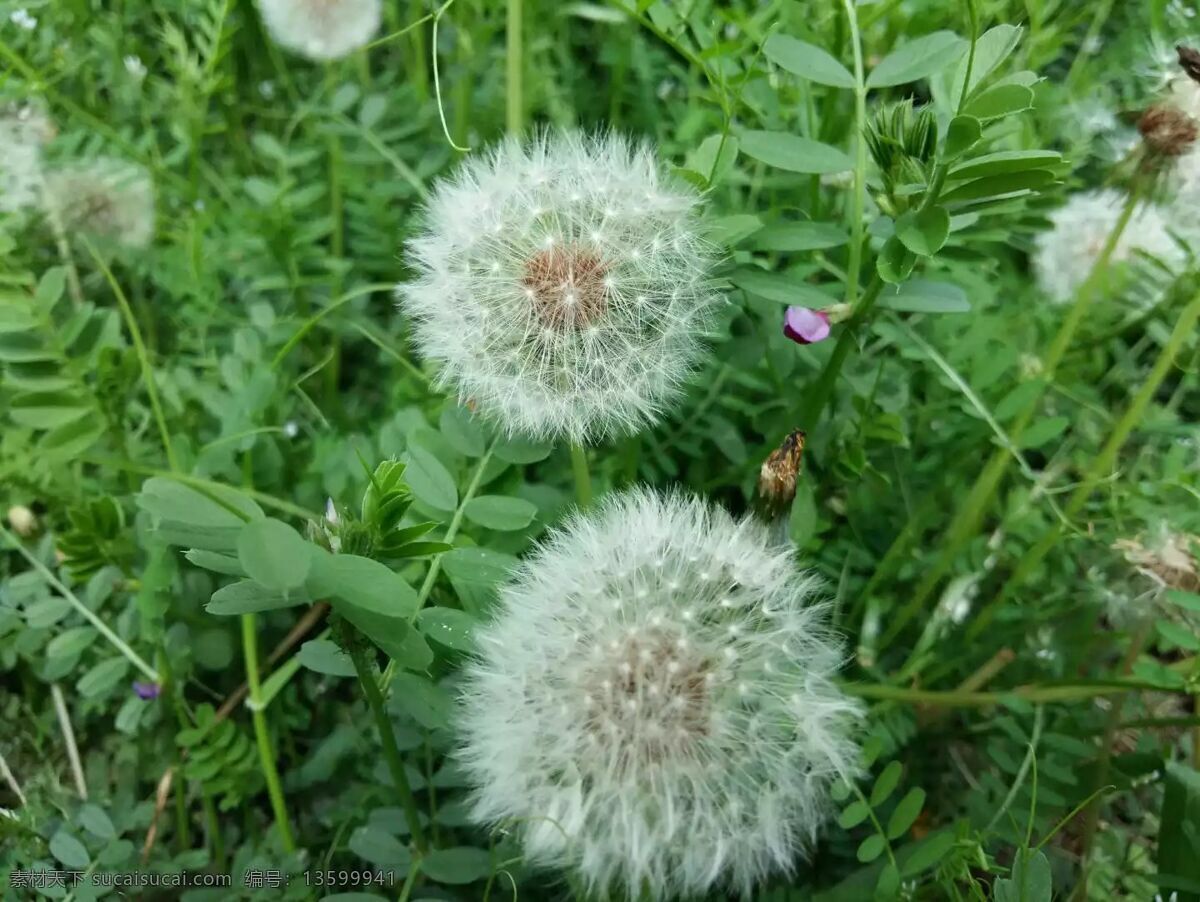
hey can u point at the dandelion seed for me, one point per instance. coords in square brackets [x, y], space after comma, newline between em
[109, 199]
[1067, 252]
[580, 328]
[321, 29]
[24, 130]
[22, 19]
[682, 763]
[135, 67]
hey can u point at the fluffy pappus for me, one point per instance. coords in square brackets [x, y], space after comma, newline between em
[321, 29]
[652, 705]
[1066, 253]
[562, 285]
[106, 198]
[23, 132]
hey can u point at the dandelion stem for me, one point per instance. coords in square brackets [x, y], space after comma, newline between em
[116, 641]
[966, 521]
[11, 779]
[1101, 464]
[417, 73]
[960, 698]
[357, 649]
[265, 753]
[64, 723]
[135, 335]
[583, 478]
[514, 101]
[858, 206]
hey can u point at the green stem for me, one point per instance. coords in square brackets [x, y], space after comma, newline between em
[969, 516]
[417, 72]
[858, 207]
[116, 641]
[143, 358]
[265, 753]
[960, 698]
[583, 478]
[514, 69]
[336, 238]
[435, 565]
[1101, 464]
[387, 738]
[822, 392]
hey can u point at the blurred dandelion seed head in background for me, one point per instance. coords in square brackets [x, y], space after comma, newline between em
[653, 704]
[106, 198]
[562, 284]
[24, 131]
[1066, 252]
[321, 29]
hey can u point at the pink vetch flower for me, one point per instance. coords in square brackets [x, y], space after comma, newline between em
[146, 691]
[805, 326]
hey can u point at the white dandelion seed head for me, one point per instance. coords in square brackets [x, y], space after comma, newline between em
[643, 748]
[105, 198]
[23, 132]
[1184, 192]
[22, 18]
[321, 29]
[562, 284]
[1066, 252]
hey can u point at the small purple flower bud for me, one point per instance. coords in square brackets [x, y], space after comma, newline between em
[146, 691]
[805, 326]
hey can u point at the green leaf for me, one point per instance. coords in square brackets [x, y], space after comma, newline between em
[1043, 431]
[807, 61]
[457, 866]
[461, 431]
[908, 809]
[963, 133]
[1178, 635]
[802, 520]
[71, 642]
[886, 784]
[1030, 880]
[102, 678]
[925, 296]
[181, 511]
[247, 597]
[928, 853]
[218, 563]
[95, 821]
[924, 231]
[73, 438]
[422, 700]
[895, 262]
[992, 48]
[998, 185]
[273, 554]
[703, 160]
[732, 230]
[778, 287]
[888, 886]
[430, 481]
[392, 635]
[1188, 600]
[69, 850]
[1180, 814]
[917, 59]
[324, 656]
[871, 848]
[47, 409]
[379, 848]
[500, 512]
[853, 815]
[520, 450]
[1003, 100]
[481, 566]
[800, 236]
[1002, 162]
[362, 582]
[795, 154]
[448, 626]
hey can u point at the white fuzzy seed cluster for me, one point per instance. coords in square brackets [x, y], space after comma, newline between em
[105, 198]
[23, 132]
[321, 29]
[562, 285]
[1066, 252]
[653, 704]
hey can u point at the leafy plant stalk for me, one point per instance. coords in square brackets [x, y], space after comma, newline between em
[583, 478]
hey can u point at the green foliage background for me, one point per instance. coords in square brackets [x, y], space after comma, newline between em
[1031, 712]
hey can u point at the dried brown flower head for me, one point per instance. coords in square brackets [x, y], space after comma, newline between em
[1168, 560]
[1189, 61]
[1168, 131]
[781, 469]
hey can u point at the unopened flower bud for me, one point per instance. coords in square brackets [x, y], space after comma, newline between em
[781, 469]
[22, 520]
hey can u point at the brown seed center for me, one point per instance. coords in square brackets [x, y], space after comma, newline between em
[566, 286]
